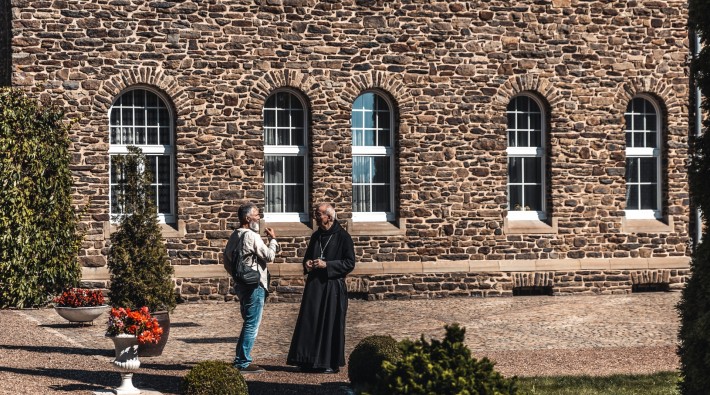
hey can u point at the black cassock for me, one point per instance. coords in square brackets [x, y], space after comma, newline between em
[319, 338]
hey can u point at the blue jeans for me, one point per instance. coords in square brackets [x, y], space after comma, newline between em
[251, 305]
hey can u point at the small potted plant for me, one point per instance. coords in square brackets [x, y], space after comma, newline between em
[80, 305]
[128, 329]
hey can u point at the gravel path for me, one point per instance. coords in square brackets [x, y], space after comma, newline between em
[41, 353]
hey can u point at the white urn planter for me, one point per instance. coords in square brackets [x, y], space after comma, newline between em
[81, 314]
[126, 347]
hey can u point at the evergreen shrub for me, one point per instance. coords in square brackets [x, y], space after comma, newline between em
[39, 230]
[694, 306]
[213, 378]
[141, 274]
[442, 367]
[365, 361]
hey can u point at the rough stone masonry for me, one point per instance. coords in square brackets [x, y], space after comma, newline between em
[450, 68]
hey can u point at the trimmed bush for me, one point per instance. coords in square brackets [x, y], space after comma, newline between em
[694, 306]
[141, 274]
[213, 378]
[365, 362]
[442, 367]
[39, 237]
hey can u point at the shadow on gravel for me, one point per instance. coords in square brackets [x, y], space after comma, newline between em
[211, 340]
[267, 388]
[63, 350]
[100, 379]
[158, 366]
[67, 325]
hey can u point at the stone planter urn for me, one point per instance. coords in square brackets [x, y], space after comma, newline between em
[126, 347]
[81, 314]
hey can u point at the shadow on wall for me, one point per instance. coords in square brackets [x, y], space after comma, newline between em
[5, 43]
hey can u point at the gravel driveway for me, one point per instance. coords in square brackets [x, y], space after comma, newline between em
[41, 353]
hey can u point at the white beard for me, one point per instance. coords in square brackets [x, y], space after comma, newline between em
[254, 226]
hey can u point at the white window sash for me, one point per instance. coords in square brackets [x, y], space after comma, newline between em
[285, 150]
[373, 217]
[285, 217]
[642, 214]
[525, 151]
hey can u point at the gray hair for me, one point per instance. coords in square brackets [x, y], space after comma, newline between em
[329, 210]
[244, 211]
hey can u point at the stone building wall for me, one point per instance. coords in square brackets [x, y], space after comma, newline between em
[449, 67]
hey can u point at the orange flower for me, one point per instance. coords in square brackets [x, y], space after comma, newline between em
[137, 322]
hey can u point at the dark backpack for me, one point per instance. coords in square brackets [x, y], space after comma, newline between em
[241, 272]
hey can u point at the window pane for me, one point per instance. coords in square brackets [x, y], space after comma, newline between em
[163, 117]
[151, 99]
[648, 169]
[523, 121]
[164, 169]
[115, 135]
[515, 200]
[366, 101]
[139, 98]
[369, 119]
[140, 136]
[270, 102]
[361, 169]
[127, 99]
[361, 198]
[152, 119]
[283, 120]
[115, 117]
[357, 137]
[357, 119]
[533, 170]
[515, 170]
[648, 197]
[294, 199]
[139, 114]
[512, 142]
[270, 136]
[164, 136]
[638, 122]
[381, 198]
[282, 137]
[152, 135]
[651, 122]
[274, 198]
[383, 120]
[511, 120]
[297, 136]
[381, 169]
[368, 138]
[632, 170]
[269, 118]
[523, 139]
[294, 169]
[164, 199]
[127, 135]
[651, 139]
[632, 197]
[282, 100]
[273, 169]
[383, 138]
[535, 120]
[127, 116]
[533, 197]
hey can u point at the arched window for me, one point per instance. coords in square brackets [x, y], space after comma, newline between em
[373, 158]
[141, 117]
[285, 168]
[526, 159]
[643, 159]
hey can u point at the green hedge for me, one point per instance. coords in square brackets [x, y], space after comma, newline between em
[694, 307]
[213, 378]
[39, 238]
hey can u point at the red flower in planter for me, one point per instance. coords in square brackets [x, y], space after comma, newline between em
[134, 322]
[79, 297]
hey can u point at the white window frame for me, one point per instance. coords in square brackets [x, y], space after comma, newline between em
[149, 150]
[381, 151]
[528, 152]
[643, 152]
[289, 150]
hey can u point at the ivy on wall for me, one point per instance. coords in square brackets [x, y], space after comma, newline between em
[39, 238]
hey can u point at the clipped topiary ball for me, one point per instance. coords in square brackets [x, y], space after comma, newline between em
[366, 359]
[213, 378]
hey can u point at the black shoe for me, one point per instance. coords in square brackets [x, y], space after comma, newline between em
[252, 369]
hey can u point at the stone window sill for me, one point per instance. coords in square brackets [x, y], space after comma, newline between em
[646, 225]
[396, 228]
[529, 226]
[167, 230]
[287, 229]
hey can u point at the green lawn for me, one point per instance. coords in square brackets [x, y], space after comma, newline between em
[655, 384]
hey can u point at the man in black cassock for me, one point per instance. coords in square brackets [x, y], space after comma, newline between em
[318, 343]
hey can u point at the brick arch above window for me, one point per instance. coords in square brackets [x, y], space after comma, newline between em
[670, 102]
[532, 83]
[305, 86]
[385, 84]
[141, 77]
